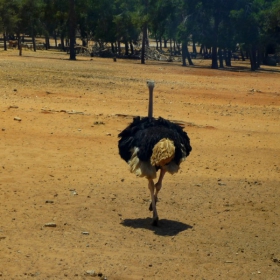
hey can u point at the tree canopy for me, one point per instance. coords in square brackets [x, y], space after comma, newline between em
[220, 27]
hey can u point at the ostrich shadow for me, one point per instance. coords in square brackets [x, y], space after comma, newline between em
[164, 228]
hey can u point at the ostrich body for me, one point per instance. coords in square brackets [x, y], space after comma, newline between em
[149, 145]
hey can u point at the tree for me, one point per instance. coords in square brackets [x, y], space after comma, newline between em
[102, 21]
[126, 31]
[215, 17]
[50, 21]
[57, 21]
[83, 10]
[257, 27]
[141, 19]
[72, 21]
[8, 18]
[271, 27]
[218, 25]
[30, 18]
[162, 19]
[188, 28]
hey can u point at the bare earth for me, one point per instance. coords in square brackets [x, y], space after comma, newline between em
[219, 216]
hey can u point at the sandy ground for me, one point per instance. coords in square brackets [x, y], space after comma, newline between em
[219, 216]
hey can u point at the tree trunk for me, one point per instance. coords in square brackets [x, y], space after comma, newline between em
[47, 42]
[145, 34]
[84, 42]
[62, 42]
[147, 38]
[228, 58]
[188, 56]
[214, 58]
[119, 48]
[215, 41]
[201, 49]
[164, 43]
[72, 29]
[214, 49]
[126, 47]
[19, 45]
[253, 61]
[55, 39]
[178, 49]
[112, 48]
[34, 43]
[33, 38]
[193, 46]
[242, 55]
[225, 57]
[18, 39]
[221, 61]
[184, 53]
[5, 41]
[259, 58]
[131, 48]
[144, 43]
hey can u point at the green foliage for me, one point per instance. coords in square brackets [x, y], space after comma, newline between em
[126, 30]
[8, 15]
[271, 21]
[214, 23]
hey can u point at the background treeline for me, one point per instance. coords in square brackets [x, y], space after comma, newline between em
[218, 26]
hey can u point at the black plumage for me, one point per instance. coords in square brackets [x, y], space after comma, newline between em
[144, 133]
[149, 144]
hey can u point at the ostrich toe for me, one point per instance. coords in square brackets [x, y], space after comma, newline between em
[155, 222]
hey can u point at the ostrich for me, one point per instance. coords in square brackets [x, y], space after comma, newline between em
[149, 144]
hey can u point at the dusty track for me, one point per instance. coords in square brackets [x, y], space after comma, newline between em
[60, 164]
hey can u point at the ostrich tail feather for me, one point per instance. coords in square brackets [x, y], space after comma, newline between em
[141, 168]
[163, 152]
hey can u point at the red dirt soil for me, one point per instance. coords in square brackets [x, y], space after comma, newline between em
[219, 216]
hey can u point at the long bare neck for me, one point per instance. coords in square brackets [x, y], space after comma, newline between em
[150, 109]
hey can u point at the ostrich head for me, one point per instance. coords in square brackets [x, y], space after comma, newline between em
[151, 85]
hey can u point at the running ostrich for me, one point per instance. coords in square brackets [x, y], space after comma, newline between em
[149, 145]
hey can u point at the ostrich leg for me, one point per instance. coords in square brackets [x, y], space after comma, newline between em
[155, 215]
[158, 186]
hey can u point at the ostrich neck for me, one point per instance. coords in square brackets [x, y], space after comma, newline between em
[150, 109]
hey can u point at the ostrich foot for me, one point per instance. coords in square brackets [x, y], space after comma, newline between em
[155, 222]
[151, 204]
